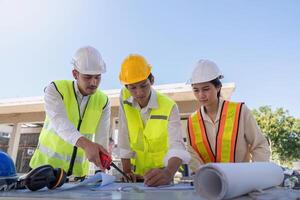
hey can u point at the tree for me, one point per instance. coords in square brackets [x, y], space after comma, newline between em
[283, 132]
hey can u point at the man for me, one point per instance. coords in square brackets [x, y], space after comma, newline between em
[150, 139]
[76, 113]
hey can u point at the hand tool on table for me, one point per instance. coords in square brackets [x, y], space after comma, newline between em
[106, 162]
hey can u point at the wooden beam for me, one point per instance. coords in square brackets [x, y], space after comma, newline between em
[22, 108]
[29, 130]
[22, 117]
[14, 140]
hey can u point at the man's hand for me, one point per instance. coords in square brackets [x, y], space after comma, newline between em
[156, 177]
[92, 151]
[133, 178]
[127, 168]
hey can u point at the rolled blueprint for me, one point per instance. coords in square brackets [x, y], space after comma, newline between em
[229, 180]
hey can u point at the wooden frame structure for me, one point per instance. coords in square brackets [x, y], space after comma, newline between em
[16, 112]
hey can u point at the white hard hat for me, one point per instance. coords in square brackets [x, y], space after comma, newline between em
[88, 60]
[205, 71]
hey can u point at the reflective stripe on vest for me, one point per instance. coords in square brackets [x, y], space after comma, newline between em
[226, 136]
[49, 129]
[52, 149]
[53, 154]
[149, 142]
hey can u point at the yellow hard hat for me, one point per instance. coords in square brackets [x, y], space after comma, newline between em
[134, 69]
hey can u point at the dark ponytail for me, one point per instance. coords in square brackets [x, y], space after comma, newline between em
[217, 83]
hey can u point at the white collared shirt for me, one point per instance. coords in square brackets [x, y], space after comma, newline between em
[176, 144]
[251, 144]
[55, 110]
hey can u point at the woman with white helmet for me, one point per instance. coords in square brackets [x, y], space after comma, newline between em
[221, 130]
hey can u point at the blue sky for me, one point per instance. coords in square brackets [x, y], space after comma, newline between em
[255, 43]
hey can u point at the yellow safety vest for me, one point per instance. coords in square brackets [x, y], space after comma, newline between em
[52, 149]
[150, 142]
[226, 136]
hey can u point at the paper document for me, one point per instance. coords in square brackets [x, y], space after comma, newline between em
[142, 187]
[99, 179]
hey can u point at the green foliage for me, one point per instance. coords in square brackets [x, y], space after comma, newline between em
[283, 132]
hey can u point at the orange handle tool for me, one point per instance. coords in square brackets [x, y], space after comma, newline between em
[105, 160]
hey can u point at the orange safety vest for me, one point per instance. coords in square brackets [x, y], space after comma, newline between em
[226, 136]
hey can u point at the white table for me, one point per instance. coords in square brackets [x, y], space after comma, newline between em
[87, 193]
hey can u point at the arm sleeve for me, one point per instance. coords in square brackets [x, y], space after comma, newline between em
[56, 112]
[176, 144]
[124, 149]
[259, 146]
[102, 132]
